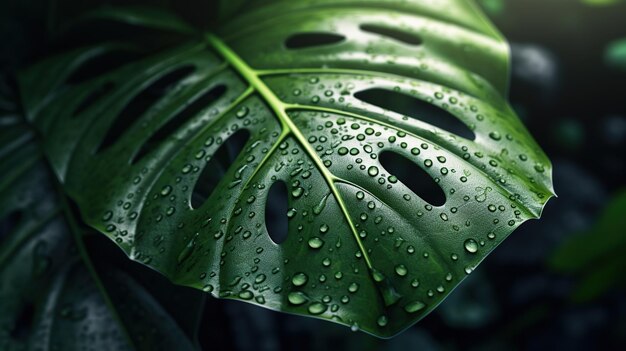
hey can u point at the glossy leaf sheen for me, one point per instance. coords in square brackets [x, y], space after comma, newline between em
[362, 249]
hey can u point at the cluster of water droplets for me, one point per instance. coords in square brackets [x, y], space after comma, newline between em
[223, 246]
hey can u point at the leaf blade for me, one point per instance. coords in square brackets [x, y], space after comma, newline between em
[359, 240]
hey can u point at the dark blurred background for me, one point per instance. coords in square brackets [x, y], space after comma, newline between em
[556, 283]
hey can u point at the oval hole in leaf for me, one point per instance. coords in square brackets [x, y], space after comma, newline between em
[139, 104]
[414, 177]
[276, 209]
[92, 98]
[396, 34]
[100, 64]
[179, 119]
[415, 108]
[216, 168]
[308, 40]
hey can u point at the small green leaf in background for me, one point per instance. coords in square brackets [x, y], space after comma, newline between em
[615, 54]
[570, 134]
[601, 2]
[493, 7]
[596, 256]
[146, 17]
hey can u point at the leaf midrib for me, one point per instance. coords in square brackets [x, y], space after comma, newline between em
[280, 108]
[267, 72]
[496, 184]
[288, 126]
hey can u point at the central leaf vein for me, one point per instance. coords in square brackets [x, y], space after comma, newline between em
[475, 167]
[280, 110]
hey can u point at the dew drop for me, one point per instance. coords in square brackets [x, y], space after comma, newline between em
[401, 270]
[495, 136]
[414, 306]
[471, 245]
[321, 205]
[242, 112]
[291, 212]
[297, 298]
[317, 308]
[372, 171]
[107, 216]
[315, 243]
[260, 278]
[299, 279]
[297, 192]
[186, 252]
[382, 321]
[246, 295]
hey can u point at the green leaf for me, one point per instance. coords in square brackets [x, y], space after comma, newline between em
[599, 280]
[493, 7]
[600, 3]
[139, 16]
[229, 8]
[605, 237]
[595, 256]
[615, 54]
[51, 296]
[362, 248]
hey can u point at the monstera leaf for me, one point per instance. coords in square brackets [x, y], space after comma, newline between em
[52, 295]
[353, 107]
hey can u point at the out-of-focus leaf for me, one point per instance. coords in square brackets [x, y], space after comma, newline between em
[596, 256]
[51, 298]
[228, 8]
[615, 54]
[601, 242]
[600, 279]
[601, 2]
[147, 17]
[493, 7]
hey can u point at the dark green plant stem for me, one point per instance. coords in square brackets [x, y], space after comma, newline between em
[78, 238]
[82, 251]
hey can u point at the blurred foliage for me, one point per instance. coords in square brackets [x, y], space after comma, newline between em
[596, 256]
[601, 2]
[492, 7]
[615, 54]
